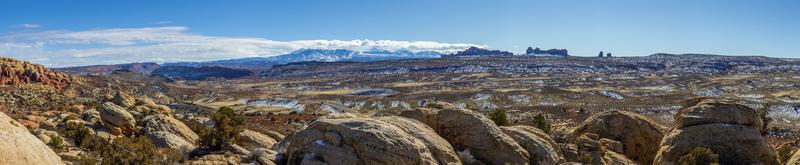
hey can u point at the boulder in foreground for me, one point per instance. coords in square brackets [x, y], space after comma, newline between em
[21, 147]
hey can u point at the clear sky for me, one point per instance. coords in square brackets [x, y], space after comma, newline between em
[75, 32]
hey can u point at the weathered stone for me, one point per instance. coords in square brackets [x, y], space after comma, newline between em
[541, 148]
[360, 141]
[728, 129]
[252, 140]
[21, 147]
[440, 148]
[123, 100]
[117, 116]
[639, 135]
[169, 132]
[469, 130]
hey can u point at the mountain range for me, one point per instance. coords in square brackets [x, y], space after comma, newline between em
[320, 55]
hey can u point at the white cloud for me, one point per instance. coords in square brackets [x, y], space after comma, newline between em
[171, 44]
[27, 26]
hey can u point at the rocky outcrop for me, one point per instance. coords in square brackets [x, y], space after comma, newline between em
[724, 127]
[14, 72]
[591, 150]
[252, 140]
[639, 135]
[21, 147]
[216, 159]
[475, 51]
[440, 148]
[123, 100]
[356, 141]
[169, 132]
[470, 131]
[117, 116]
[541, 148]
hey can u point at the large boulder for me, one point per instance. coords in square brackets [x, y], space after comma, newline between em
[355, 141]
[639, 135]
[169, 132]
[123, 99]
[441, 150]
[470, 131]
[726, 128]
[252, 140]
[21, 147]
[117, 116]
[541, 148]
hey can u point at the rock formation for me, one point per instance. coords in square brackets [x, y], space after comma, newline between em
[440, 148]
[117, 116]
[726, 128]
[169, 132]
[13, 72]
[541, 148]
[21, 147]
[475, 51]
[356, 141]
[639, 135]
[470, 131]
[123, 99]
[252, 140]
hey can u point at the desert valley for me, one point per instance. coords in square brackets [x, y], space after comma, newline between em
[471, 107]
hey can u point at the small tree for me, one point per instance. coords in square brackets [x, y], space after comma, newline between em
[499, 117]
[542, 123]
[601, 54]
[699, 155]
[226, 129]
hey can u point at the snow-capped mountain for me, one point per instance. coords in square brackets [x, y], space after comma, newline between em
[323, 55]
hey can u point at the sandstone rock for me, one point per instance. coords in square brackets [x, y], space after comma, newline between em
[21, 147]
[275, 135]
[355, 141]
[252, 140]
[711, 111]
[732, 131]
[639, 135]
[169, 132]
[215, 159]
[170, 140]
[440, 148]
[91, 116]
[795, 159]
[469, 130]
[123, 99]
[117, 116]
[14, 72]
[591, 151]
[541, 148]
[265, 156]
[146, 101]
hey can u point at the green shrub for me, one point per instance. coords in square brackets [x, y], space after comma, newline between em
[699, 155]
[78, 133]
[124, 150]
[499, 116]
[542, 123]
[56, 143]
[226, 129]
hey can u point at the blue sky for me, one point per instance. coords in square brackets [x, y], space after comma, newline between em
[68, 33]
